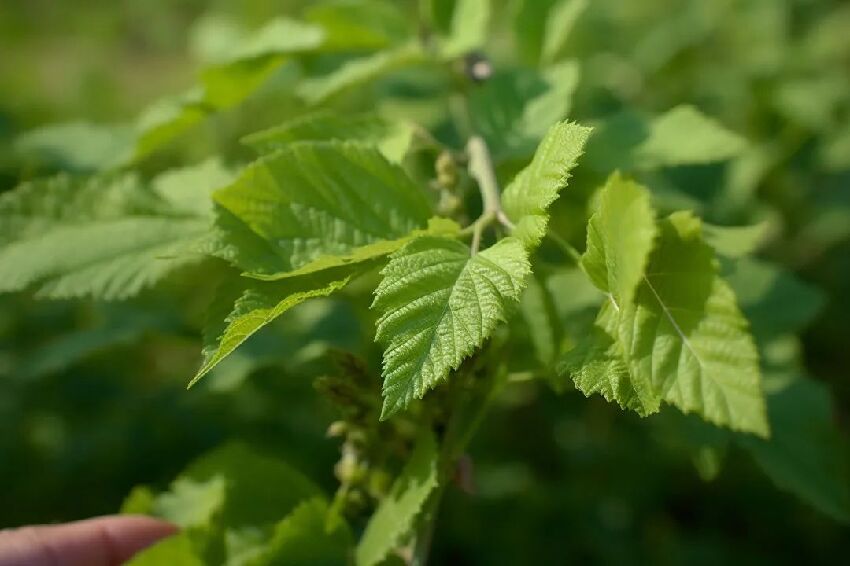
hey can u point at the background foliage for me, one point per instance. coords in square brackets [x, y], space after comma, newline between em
[93, 399]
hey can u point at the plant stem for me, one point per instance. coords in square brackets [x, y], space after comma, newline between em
[425, 533]
[481, 169]
[565, 246]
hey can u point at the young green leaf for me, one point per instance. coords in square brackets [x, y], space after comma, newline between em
[397, 513]
[438, 304]
[596, 366]
[535, 188]
[469, 27]
[735, 241]
[391, 138]
[303, 538]
[681, 136]
[360, 24]
[280, 36]
[317, 205]
[620, 237]
[685, 334]
[514, 110]
[106, 237]
[77, 146]
[176, 550]
[259, 490]
[560, 22]
[360, 71]
[258, 304]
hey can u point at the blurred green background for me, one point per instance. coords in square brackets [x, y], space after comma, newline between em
[92, 395]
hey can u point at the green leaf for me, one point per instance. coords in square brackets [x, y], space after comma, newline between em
[304, 537]
[77, 146]
[391, 138]
[360, 24]
[681, 136]
[317, 205]
[176, 550]
[191, 503]
[620, 237]
[685, 334]
[529, 28]
[397, 513]
[189, 190]
[469, 28]
[596, 366]
[258, 490]
[514, 110]
[165, 119]
[112, 326]
[280, 36]
[735, 241]
[538, 310]
[775, 301]
[806, 452]
[437, 306]
[228, 503]
[359, 72]
[258, 304]
[105, 237]
[535, 188]
[560, 21]
[686, 136]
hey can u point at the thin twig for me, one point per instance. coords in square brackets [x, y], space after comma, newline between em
[565, 246]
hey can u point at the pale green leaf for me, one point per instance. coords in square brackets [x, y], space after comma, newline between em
[228, 500]
[806, 452]
[735, 241]
[681, 136]
[359, 72]
[535, 188]
[620, 236]
[596, 366]
[392, 138]
[686, 136]
[225, 86]
[212, 36]
[259, 490]
[189, 189]
[438, 304]
[106, 237]
[685, 334]
[77, 146]
[258, 304]
[469, 28]
[165, 119]
[360, 24]
[280, 36]
[190, 503]
[397, 513]
[316, 205]
[515, 109]
[176, 550]
[306, 538]
[560, 21]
